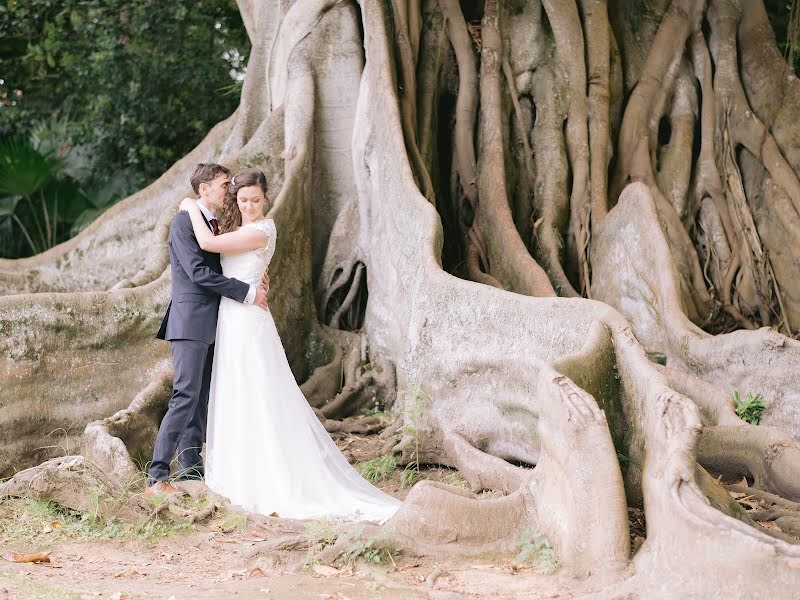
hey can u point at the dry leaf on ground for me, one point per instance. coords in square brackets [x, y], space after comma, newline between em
[257, 572]
[38, 557]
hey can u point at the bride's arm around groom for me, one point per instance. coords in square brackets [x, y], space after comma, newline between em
[190, 325]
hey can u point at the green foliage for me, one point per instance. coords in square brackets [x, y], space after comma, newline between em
[373, 549]
[410, 474]
[415, 401]
[534, 548]
[320, 534]
[456, 480]
[232, 521]
[625, 460]
[41, 523]
[784, 16]
[50, 188]
[134, 84]
[377, 469]
[26, 174]
[749, 409]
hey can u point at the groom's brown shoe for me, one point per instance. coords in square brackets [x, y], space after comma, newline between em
[162, 487]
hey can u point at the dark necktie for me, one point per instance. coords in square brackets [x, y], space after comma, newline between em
[214, 226]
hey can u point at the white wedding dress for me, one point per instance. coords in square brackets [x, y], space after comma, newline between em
[266, 449]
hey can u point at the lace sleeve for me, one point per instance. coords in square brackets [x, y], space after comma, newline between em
[268, 227]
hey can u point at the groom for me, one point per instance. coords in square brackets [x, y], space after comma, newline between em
[190, 325]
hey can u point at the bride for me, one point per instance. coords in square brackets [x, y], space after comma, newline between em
[266, 450]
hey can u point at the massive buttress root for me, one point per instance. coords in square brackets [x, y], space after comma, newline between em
[657, 176]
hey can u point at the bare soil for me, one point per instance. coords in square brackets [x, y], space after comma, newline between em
[217, 560]
[221, 558]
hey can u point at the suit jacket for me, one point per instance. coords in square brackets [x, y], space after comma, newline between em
[197, 284]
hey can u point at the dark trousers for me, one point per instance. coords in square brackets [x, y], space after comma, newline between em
[183, 428]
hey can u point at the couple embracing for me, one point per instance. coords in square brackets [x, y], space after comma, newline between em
[233, 388]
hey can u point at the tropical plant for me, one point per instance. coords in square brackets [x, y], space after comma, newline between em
[51, 188]
[24, 174]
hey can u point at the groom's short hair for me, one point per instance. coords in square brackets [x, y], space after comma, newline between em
[206, 172]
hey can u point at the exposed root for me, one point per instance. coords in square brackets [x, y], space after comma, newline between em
[285, 542]
[354, 396]
[68, 481]
[325, 381]
[406, 67]
[349, 298]
[767, 455]
[483, 471]
[163, 506]
[202, 514]
[346, 540]
[716, 408]
[768, 498]
[513, 380]
[437, 519]
[581, 510]
[509, 260]
[365, 425]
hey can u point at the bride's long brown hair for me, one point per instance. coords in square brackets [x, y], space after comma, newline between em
[230, 218]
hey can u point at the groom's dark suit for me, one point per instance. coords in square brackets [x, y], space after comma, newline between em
[190, 325]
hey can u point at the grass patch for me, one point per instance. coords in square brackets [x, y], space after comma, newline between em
[749, 409]
[534, 548]
[231, 521]
[377, 469]
[416, 400]
[456, 480]
[373, 549]
[38, 524]
[410, 475]
[320, 534]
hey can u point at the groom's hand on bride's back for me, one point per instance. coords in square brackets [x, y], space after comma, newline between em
[261, 298]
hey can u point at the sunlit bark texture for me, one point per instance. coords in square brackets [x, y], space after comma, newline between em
[491, 217]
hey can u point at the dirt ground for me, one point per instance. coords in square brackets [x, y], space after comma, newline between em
[216, 559]
[226, 557]
[212, 565]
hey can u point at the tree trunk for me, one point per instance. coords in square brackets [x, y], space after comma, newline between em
[629, 183]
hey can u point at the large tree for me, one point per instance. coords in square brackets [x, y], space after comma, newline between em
[500, 209]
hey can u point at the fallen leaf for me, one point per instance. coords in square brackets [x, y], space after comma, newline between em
[257, 572]
[325, 571]
[56, 524]
[27, 558]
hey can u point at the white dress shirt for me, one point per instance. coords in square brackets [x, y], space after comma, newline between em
[251, 295]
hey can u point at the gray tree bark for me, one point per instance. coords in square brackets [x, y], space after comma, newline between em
[590, 210]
